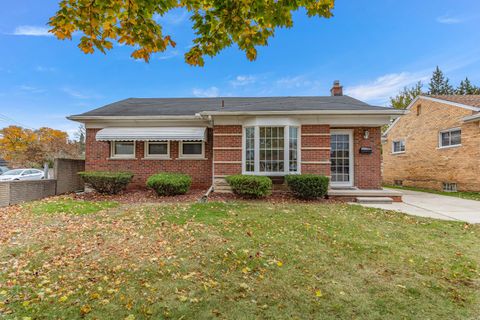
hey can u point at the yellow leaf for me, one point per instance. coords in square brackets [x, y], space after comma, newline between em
[318, 293]
[63, 298]
[25, 303]
[26, 318]
[279, 263]
[130, 317]
[3, 293]
[85, 309]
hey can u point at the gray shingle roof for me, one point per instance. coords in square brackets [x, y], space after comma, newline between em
[192, 106]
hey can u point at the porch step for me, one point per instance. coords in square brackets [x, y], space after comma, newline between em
[374, 200]
[221, 185]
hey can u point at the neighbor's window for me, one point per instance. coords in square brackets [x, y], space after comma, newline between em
[123, 149]
[398, 146]
[450, 138]
[419, 109]
[157, 150]
[449, 187]
[191, 149]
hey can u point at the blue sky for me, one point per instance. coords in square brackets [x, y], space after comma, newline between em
[373, 47]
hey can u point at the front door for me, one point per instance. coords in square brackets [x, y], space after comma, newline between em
[341, 157]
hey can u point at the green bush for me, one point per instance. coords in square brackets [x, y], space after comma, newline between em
[169, 184]
[107, 182]
[250, 186]
[308, 186]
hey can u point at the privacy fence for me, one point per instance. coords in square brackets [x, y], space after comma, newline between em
[65, 180]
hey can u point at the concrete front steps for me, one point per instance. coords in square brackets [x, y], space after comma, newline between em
[220, 185]
[374, 200]
[383, 196]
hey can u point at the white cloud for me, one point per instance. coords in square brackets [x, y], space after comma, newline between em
[79, 95]
[169, 55]
[35, 31]
[173, 17]
[44, 69]
[243, 80]
[30, 89]
[211, 92]
[447, 19]
[380, 89]
[294, 82]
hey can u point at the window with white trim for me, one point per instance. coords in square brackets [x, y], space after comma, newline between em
[250, 149]
[157, 150]
[123, 149]
[398, 146]
[192, 149]
[450, 138]
[271, 149]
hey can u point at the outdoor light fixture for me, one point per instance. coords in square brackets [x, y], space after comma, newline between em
[366, 134]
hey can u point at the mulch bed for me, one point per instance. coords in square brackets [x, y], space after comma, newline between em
[149, 196]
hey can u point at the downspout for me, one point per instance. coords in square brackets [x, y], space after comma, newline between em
[204, 198]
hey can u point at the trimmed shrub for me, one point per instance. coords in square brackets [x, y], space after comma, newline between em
[169, 184]
[107, 182]
[250, 186]
[308, 186]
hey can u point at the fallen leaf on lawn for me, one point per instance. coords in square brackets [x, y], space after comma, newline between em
[279, 263]
[130, 317]
[318, 294]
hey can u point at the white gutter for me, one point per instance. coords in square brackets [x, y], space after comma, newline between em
[80, 118]
[388, 112]
[472, 118]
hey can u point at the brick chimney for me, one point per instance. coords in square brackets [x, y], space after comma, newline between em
[337, 89]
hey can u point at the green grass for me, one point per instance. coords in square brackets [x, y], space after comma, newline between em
[69, 206]
[463, 195]
[239, 260]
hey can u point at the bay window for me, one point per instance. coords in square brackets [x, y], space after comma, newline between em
[271, 150]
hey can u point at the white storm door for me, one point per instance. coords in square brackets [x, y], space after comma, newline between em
[341, 158]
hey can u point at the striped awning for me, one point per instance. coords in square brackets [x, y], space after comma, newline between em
[152, 134]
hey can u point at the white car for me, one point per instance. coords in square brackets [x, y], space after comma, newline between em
[22, 174]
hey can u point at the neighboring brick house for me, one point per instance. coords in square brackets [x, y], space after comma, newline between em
[211, 138]
[435, 145]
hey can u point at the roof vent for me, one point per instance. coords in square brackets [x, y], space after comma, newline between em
[337, 89]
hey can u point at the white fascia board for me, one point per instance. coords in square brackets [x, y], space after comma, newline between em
[472, 118]
[332, 120]
[89, 118]
[303, 112]
[456, 104]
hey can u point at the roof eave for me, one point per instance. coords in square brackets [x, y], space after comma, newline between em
[391, 112]
[81, 118]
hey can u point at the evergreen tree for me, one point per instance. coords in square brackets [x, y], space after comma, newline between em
[439, 84]
[466, 88]
[403, 99]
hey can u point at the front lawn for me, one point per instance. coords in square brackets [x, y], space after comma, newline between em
[460, 194]
[236, 260]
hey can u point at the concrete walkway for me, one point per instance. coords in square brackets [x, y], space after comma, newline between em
[434, 206]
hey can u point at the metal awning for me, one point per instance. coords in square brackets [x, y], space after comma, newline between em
[152, 134]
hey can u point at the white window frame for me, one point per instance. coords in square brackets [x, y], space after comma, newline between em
[122, 156]
[399, 141]
[286, 150]
[147, 155]
[440, 146]
[191, 156]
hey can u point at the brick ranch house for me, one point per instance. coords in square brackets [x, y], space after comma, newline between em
[436, 145]
[211, 138]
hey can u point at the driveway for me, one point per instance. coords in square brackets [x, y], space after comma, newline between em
[435, 206]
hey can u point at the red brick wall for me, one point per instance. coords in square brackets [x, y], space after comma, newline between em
[315, 149]
[367, 172]
[227, 150]
[97, 154]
